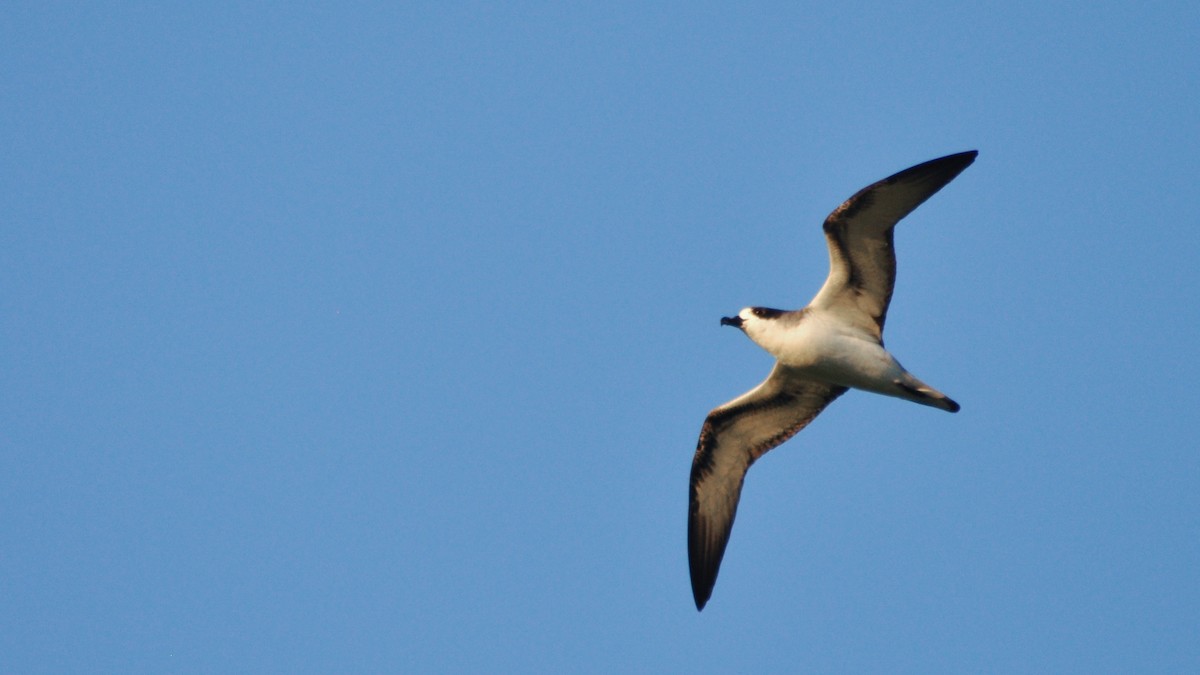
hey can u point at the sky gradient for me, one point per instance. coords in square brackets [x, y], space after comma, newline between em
[372, 339]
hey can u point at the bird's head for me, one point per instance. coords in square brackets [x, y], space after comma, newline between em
[752, 320]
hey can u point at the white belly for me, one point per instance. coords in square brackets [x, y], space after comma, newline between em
[831, 352]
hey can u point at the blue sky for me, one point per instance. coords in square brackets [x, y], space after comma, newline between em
[378, 339]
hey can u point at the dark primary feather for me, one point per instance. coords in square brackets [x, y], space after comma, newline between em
[732, 438]
[859, 232]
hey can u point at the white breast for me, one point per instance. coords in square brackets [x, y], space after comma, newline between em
[831, 351]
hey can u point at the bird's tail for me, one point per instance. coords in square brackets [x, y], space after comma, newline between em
[918, 392]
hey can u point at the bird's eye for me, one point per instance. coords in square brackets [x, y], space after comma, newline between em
[765, 312]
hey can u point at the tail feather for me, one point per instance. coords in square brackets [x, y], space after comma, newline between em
[919, 392]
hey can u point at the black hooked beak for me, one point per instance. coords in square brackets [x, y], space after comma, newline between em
[735, 321]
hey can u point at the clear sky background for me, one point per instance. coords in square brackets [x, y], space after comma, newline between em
[362, 338]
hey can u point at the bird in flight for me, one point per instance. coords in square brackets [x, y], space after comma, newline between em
[833, 344]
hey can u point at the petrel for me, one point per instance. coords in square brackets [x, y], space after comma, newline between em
[833, 344]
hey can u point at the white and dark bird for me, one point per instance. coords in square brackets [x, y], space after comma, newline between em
[833, 344]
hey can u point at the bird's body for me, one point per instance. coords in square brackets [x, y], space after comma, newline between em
[833, 344]
[819, 346]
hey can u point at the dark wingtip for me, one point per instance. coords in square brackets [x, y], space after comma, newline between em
[952, 406]
[958, 162]
[703, 566]
[702, 591]
[951, 164]
[967, 158]
[704, 578]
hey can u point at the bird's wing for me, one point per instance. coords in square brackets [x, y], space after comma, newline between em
[862, 262]
[733, 436]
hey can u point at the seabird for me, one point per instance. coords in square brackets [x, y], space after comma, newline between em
[833, 344]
